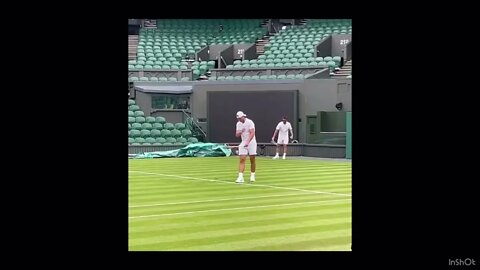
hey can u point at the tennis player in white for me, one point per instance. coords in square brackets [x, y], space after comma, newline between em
[282, 129]
[248, 146]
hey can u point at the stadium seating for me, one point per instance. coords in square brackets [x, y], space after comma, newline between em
[148, 130]
[174, 40]
[296, 45]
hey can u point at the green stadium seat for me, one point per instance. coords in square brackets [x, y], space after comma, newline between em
[181, 140]
[160, 140]
[146, 126]
[140, 119]
[158, 126]
[186, 133]
[171, 140]
[133, 107]
[165, 133]
[169, 126]
[138, 113]
[134, 133]
[160, 119]
[175, 133]
[139, 140]
[180, 126]
[322, 64]
[136, 126]
[155, 133]
[150, 140]
[145, 133]
[150, 119]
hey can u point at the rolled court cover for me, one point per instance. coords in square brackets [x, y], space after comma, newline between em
[191, 150]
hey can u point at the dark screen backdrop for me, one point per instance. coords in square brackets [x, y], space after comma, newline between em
[264, 108]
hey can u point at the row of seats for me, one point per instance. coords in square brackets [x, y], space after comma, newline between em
[281, 58]
[290, 63]
[141, 124]
[157, 79]
[152, 62]
[158, 125]
[330, 22]
[164, 133]
[261, 77]
[161, 141]
[199, 23]
[157, 67]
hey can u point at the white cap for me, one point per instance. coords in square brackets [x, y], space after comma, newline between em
[240, 114]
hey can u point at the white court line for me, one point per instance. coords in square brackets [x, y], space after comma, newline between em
[253, 185]
[236, 208]
[218, 200]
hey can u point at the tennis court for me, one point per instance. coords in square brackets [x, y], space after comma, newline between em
[194, 204]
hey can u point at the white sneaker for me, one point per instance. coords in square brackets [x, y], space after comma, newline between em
[239, 180]
[252, 178]
[275, 157]
[283, 157]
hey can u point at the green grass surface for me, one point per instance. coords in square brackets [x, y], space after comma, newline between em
[194, 204]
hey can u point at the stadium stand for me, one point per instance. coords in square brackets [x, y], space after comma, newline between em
[155, 130]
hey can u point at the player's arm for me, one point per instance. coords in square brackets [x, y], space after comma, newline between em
[290, 130]
[238, 131]
[275, 133]
[250, 137]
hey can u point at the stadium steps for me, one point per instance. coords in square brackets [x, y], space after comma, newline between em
[132, 47]
[344, 71]
[260, 44]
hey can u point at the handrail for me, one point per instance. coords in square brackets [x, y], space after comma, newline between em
[193, 121]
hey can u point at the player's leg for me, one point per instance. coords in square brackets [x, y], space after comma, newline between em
[253, 167]
[242, 152]
[241, 168]
[284, 150]
[252, 151]
[276, 154]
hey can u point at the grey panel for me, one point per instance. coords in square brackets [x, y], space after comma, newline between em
[264, 108]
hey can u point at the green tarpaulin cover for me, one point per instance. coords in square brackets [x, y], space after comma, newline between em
[191, 150]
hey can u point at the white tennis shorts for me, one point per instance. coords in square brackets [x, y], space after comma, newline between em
[282, 139]
[251, 150]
